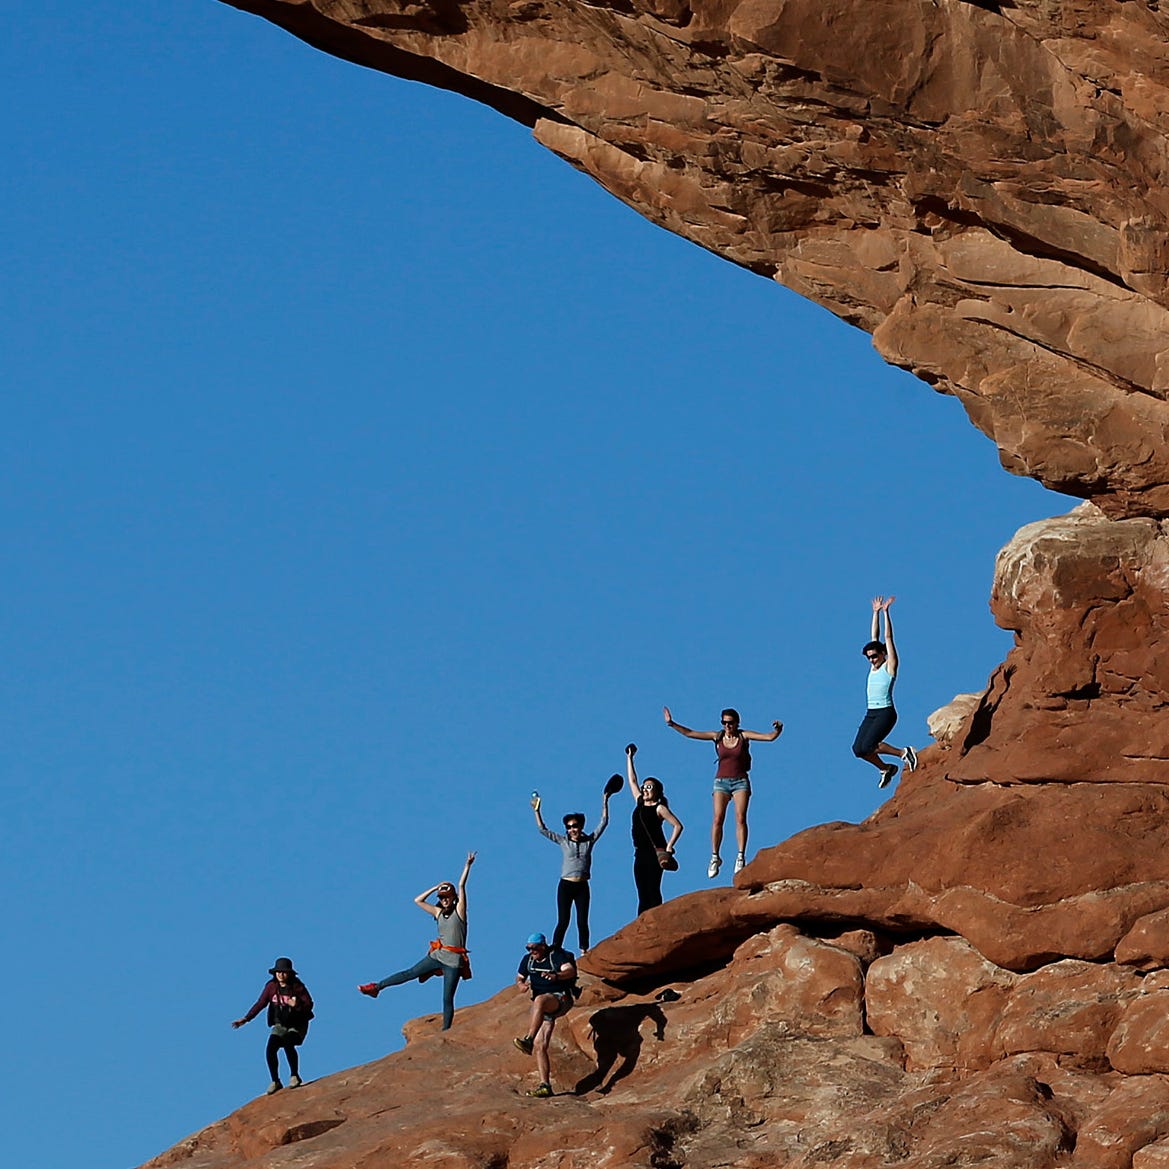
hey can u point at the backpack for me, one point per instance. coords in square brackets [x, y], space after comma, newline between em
[556, 958]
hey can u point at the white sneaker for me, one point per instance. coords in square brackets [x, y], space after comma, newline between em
[714, 866]
[910, 757]
[740, 863]
[887, 774]
[274, 1087]
[294, 1081]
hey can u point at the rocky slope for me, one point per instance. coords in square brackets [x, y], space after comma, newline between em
[980, 185]
[975, 975]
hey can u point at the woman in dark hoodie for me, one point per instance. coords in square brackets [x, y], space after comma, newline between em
[290, 1007]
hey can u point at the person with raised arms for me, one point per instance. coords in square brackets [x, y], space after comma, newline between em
[448, 952]
[651, 852]
[881, 715]
[576, 862]
[731, 778]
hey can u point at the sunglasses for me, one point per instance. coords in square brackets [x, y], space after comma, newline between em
[571, 826]
[729, 722]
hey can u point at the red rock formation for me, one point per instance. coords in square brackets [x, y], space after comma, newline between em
[980, 185]
[976, 974]
[973, 975]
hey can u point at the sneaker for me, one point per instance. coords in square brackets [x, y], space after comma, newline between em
[525, 1045]
[541, 1090]
[714, 866]
[887, 774]
[910, 757]
[740, 863]
[294, 1081]
[370, 988]
[274, 1087]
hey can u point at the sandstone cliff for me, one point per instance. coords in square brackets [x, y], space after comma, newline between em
[981, 186]
[977, 974]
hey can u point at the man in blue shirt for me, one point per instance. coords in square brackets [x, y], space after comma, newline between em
[548, 974]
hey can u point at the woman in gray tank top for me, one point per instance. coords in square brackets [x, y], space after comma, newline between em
[448, 953]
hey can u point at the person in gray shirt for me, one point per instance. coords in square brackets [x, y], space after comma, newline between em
[576, 849]
[448, 952]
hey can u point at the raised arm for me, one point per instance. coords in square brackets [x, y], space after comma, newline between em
[603, 823]
[423, 904]
[461, 904]
[760, 737]
[544, 830]
[890, 648]
[631, 770]
[875, 629]
[709, 736]
[669, 817]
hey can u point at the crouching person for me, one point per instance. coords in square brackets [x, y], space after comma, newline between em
[548, 974]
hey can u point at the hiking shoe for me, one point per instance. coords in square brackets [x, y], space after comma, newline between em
[274, 1087]
[525, 1045]
[541, 1090]
[887, 774]
[740, 863]
[294, 1081]
[910, 757]
[714, 866]
[370, 988]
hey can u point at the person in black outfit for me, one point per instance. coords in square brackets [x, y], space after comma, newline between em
[290, 1007]
[651, 852]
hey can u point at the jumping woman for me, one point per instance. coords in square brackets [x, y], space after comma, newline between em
[731, 781]
[881, 716]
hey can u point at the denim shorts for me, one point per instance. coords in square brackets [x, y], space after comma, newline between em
[730, 786]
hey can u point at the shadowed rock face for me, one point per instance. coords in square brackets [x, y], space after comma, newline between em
[981, 186]
[976, 975]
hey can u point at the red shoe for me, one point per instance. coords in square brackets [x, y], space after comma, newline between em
[370, 988]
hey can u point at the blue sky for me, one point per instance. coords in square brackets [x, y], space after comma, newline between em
[365, 467]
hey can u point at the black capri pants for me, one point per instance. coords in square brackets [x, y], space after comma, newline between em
[875, 726]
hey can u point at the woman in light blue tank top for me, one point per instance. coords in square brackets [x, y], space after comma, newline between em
[881, 716]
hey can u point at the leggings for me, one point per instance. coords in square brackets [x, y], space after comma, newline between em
[876, 724]
[275, 1043]
[424, 969]
[647, 876]
[568, 894]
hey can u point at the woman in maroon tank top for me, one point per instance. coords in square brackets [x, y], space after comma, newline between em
[731, 782]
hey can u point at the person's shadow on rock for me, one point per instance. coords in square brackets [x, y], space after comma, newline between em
[617, 1036]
